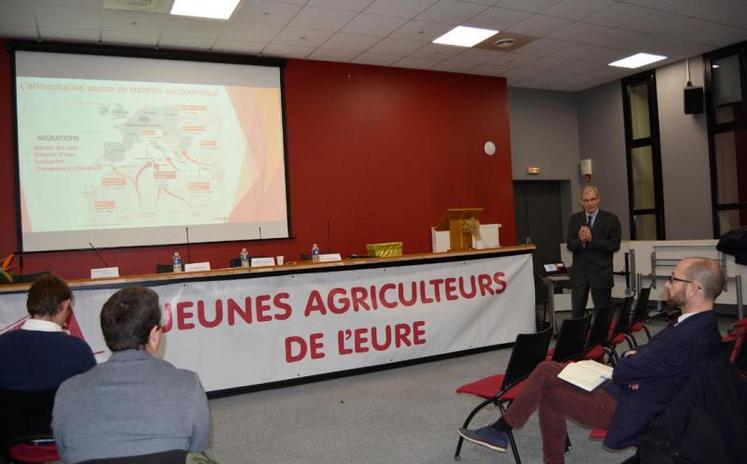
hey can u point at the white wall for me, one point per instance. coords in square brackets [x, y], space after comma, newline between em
[554, 130]
[602, 138]
[544, 133]
[684, 155]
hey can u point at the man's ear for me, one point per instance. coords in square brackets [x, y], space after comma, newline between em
[63, 312]
[154, 339]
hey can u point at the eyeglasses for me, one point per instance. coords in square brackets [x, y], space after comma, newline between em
[673, 279]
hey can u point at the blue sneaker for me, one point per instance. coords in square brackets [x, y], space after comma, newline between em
[486, 436]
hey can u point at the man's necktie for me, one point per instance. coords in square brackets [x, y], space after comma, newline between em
[588, 221]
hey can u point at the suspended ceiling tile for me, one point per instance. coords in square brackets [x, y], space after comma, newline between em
[246, 32]
[321, 18]
[451, 12]
[422, 31]
[301, 37]
[540, 25]
[369, 24]
[124, 38]
[544, 47]
[179, 41]
[20, 13]
[239, 46]
[347, 5]
[396, 46]
[498, 18]
[401, 9]
[287, 51]
[193, 27]
[536, 6]
[132, 22]
[578, 9]
[436, 51]
[348, 41]
[65, 17]
[266, 12]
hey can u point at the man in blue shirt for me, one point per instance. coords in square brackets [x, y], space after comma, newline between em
[37, 358]
[41, 355]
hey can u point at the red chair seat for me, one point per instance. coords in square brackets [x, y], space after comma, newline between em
[619, 338]
[636, 327]
[595, 353]
[34, 454]
[488, 387]
[598, 434]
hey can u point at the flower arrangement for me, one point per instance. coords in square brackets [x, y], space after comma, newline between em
[472, 226]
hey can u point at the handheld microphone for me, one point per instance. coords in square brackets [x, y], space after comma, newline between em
[98, 254]
[189, 248]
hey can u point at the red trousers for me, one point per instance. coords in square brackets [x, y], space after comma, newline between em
[556, 399]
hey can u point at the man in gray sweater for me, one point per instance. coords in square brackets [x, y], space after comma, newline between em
[133, 403]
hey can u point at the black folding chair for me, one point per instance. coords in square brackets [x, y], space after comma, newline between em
[529, 350]
[620, 329]
[600, 328]
[25, 431]
[163, 457]
[571, 339]
[640, 313]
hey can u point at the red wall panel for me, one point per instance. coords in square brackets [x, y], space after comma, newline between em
[374, 154]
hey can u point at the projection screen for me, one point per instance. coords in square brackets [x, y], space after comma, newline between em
[120, 151]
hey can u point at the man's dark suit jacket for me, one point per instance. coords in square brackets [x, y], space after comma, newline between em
[593, 263]
[660, 368]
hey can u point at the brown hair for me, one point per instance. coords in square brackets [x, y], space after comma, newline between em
[46, 296]
[128, 316]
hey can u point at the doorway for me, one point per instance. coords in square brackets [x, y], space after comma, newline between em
[541, 209]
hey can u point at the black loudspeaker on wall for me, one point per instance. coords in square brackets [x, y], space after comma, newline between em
[693, 100]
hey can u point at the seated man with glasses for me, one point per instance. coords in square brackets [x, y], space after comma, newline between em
[134, 403]
[643, 382]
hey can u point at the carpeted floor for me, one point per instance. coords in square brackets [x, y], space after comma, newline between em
[407, 415]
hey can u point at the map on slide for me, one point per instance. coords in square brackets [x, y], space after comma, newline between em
[110, 154]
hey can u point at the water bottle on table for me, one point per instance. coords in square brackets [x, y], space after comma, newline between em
[176, 261]
[244, 258]
[315, 253]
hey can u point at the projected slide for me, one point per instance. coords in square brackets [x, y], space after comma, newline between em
[126, 162]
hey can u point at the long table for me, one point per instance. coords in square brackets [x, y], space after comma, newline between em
[249, 327]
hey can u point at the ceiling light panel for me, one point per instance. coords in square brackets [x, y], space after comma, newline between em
[637, 60]
[214, 9]
[463, 36]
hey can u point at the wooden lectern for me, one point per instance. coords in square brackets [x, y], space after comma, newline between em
[453, 221]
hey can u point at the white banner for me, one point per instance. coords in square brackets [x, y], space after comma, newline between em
[254, 330]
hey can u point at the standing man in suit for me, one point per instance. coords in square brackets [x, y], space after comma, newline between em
[643, 382]
[593, 237]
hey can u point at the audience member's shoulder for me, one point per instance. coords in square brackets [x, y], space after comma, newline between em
[178, 373]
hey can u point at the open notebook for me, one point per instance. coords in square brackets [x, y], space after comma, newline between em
[586, 374]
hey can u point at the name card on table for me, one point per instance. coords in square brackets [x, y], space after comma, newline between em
[330, 258]
[104, 272]
[263, 262]
[201, 266]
